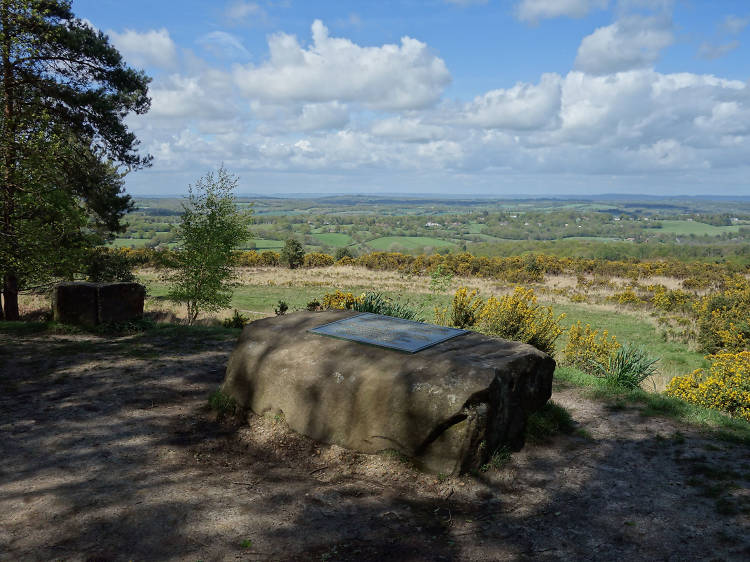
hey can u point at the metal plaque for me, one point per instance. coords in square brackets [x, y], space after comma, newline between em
[386, 331]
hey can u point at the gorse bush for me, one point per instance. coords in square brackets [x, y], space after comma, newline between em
[464, 310]
[628, 296]
[725, 387]
[587, 347]
[517, 316]
[338, 299]
[724, 317]
[669, 300]
[369, 302]
[316, 259]
[627, 367]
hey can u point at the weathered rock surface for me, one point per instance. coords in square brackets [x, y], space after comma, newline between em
[447, 407]
[89, 304]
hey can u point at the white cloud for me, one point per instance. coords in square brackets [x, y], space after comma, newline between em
[208, 95]
[524, 106]
[633, 41]
[710, 51]
[223, 45]
[153, 48]
[535, 10]
[404, 76]
[407, 129]
[238, 12]
[734, 24]
[342, 114]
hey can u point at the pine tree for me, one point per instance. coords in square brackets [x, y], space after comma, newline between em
[65, 92]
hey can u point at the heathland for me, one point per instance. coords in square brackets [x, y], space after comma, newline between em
[661, 459]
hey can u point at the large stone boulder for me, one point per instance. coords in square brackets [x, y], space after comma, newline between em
[447, 407]
[89, 304]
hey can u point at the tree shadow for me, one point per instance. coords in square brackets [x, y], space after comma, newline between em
[109, 453]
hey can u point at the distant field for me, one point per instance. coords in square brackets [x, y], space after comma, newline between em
[596, 238]
[333, 238]
[475, 227]
[264, 244]
[698, 228]
[408, 242]
[129, 242]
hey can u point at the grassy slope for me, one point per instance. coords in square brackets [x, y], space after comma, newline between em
[698, 228]
[334, 239]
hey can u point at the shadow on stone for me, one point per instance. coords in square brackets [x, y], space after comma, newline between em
[447, 407]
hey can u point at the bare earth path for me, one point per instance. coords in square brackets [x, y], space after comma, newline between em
[108, 452]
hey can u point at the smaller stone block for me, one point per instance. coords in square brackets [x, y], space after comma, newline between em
[89, 304]
[75, 303]
[120, 302]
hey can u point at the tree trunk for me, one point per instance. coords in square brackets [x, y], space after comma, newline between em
[10, 292]
[10, 280]
[2, 316]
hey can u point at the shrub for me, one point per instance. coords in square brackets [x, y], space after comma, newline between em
[236, 321]
[281, 309]
[586, 347]
[316, 259]
[627, 367]
[378, 304]
[464, 310]
[269, 257]
[725, 387]
[222, 404]
[370, 302]
[518, 317]
[107, 265]
[724, 317]
[313, 305]
[342, 253]
[669, 300]
[346, 260]
[293, 254]
[339, 299]
[440, 279]
[628, 296]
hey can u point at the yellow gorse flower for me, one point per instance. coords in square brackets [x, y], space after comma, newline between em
[726, 385]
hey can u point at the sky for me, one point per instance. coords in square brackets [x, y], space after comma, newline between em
[455, 97]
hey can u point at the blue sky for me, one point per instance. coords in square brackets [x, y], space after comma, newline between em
[493, 97]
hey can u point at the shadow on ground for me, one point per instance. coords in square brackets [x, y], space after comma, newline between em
[109, 453]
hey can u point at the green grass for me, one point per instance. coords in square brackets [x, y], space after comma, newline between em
[129, 242]
[387, 243]
[475, 227]
[685, 228]
[674, 357]
[335, 239]
[22, 328]
[551, 420]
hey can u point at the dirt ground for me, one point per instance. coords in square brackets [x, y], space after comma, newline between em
[109, 452]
